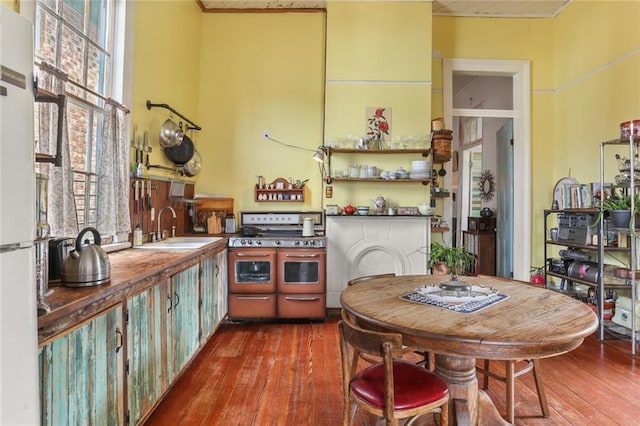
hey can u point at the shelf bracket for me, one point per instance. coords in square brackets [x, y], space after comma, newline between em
[60, 101]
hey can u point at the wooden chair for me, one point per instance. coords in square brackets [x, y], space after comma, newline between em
[392, 389]
[428, 358]
[509, 379]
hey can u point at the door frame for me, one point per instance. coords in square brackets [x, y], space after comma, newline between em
[521, 115]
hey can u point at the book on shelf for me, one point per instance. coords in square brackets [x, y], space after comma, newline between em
[576, 196]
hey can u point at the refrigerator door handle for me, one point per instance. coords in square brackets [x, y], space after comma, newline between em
[5, 248]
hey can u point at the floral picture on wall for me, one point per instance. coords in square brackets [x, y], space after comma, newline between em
[379, 123]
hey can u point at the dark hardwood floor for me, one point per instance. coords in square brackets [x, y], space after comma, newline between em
[288, 373]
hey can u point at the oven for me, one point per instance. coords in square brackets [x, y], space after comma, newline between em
[278, 273]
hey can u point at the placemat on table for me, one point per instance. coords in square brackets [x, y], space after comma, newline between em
[464, 307]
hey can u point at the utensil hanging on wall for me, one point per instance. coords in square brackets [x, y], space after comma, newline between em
[193, 166]
[182, 153]
[171, 134]
[442, 171]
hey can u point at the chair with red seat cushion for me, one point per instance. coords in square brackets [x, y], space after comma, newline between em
[393, 388]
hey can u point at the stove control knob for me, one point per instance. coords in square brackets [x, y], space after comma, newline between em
[276, 242]
[296, 243]
[243, 242]
[258, 242]
[312, 242]
[249, 242]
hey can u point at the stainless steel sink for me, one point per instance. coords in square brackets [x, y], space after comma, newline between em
[180, 243]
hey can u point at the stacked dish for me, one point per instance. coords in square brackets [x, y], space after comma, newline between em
[419, 170]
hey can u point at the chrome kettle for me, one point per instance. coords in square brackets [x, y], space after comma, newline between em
[88, 264]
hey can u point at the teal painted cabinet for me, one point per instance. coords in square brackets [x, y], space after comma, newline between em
[82, 374]
[222, 285]
[182, 320]
[208, 295]
[146, 381]
[213, 283]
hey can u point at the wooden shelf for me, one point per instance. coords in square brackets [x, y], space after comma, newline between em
[620, 285]
[45, 158]
[437, 229]
[377, 180]
[440, 194]
[278, 191]
[424, 151]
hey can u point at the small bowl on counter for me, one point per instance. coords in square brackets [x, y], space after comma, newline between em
[363, 210]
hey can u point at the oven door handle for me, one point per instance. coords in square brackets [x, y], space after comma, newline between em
[252, 254]
[252, 297]
[302, 299]
[302, 255]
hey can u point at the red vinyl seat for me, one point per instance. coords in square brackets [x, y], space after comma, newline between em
[413, 386]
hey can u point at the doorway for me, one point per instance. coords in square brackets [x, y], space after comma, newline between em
[473, 101]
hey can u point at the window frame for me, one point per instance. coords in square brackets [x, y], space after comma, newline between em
[112, 79]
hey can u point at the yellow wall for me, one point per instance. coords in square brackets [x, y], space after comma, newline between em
[378, 55]
[597, 83]
[237, 74]
[261, 71]
[584, 82]
[11, 4]
[166, 68]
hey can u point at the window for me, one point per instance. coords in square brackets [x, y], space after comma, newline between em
[75, 39]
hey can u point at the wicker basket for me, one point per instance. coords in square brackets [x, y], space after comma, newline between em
[441, 148]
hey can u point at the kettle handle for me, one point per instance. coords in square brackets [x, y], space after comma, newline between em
[96, 237]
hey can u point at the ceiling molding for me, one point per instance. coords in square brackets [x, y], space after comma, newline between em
[458, 8]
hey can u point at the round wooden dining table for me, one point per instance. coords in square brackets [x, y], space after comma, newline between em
[530, 322]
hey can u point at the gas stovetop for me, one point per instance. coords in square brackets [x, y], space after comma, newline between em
[280, 229]
[278, 241]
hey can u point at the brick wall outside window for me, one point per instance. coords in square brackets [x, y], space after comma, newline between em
[59, 44]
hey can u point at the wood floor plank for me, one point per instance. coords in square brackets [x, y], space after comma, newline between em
[288, 373]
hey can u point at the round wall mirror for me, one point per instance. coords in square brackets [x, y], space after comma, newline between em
[486, 185]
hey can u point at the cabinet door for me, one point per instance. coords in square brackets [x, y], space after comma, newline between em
[222, 287]
[209, 295]
[145, 384]
[82, 376]
[183, 320]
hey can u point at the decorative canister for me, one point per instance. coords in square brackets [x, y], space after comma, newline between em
[486, 212]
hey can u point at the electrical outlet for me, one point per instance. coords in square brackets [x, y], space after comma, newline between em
[267, 134]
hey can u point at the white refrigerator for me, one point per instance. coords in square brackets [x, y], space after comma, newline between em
[19, 389]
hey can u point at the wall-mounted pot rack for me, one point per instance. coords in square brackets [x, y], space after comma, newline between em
[191, 126]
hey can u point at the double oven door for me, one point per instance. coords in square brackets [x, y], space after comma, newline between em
[277, 283]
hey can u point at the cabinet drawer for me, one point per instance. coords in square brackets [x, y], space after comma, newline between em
[252, 306]
[301, 305]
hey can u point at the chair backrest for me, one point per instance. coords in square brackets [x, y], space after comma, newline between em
[371, 343]
[369, 277]
[367, 341]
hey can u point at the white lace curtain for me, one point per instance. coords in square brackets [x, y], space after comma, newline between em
[112, 194]
[113, 177]
[62, 216]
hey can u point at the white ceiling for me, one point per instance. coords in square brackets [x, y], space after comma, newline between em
[477, 8]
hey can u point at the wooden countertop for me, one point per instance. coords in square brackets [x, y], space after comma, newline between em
[132, 271]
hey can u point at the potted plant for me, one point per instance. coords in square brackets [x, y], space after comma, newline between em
[618, 209]
[452, 260]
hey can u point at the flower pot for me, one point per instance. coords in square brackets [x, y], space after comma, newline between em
[440, 269]
[619, 218]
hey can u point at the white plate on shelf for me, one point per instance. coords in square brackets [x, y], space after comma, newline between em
[559, 187]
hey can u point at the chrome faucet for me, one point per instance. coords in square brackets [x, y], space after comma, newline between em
[173, 228]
